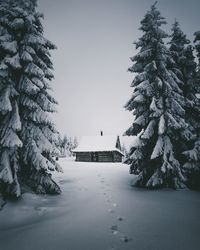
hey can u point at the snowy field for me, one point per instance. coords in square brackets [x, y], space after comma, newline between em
[99, 210]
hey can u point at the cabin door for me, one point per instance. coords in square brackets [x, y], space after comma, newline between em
[95, 157]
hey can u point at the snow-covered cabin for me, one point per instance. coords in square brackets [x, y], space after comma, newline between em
[104, 148]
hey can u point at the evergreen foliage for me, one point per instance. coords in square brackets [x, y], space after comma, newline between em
[27, 135]
[197, 47]
[158, 105]
[66, 145]
[192, 164]
[185, 68]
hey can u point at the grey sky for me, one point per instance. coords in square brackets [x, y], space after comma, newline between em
[94, 40]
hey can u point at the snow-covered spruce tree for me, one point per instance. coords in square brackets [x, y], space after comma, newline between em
[9, 114]
[31, 73]
[157, 105]
[178, 44]
[192, 165]
[185, 67]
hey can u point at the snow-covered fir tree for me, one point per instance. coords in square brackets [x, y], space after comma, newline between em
[178, 44]
[27, 134]
[158, 108]
[185, 67]
[66, 145]
[63, 142]
[72, 144]
[192, 165]
[9, 114]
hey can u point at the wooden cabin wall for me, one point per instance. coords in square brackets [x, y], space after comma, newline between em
[105, 156]
[83, 156]
[102, 156]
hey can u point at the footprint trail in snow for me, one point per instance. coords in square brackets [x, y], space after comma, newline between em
[115, 228]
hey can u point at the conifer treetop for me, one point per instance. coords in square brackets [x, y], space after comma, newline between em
[157, 105]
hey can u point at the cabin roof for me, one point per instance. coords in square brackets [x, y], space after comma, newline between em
[98, 144]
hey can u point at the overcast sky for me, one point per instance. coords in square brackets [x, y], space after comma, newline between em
[94, 40]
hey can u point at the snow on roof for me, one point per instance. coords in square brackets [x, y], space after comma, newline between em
[97, 143]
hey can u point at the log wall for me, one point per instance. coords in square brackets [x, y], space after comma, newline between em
[99, 156]
[83, 156]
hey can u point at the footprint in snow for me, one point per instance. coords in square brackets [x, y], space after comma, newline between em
[114, 229]
[125, 238]
[120, 218]
[114, 232]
